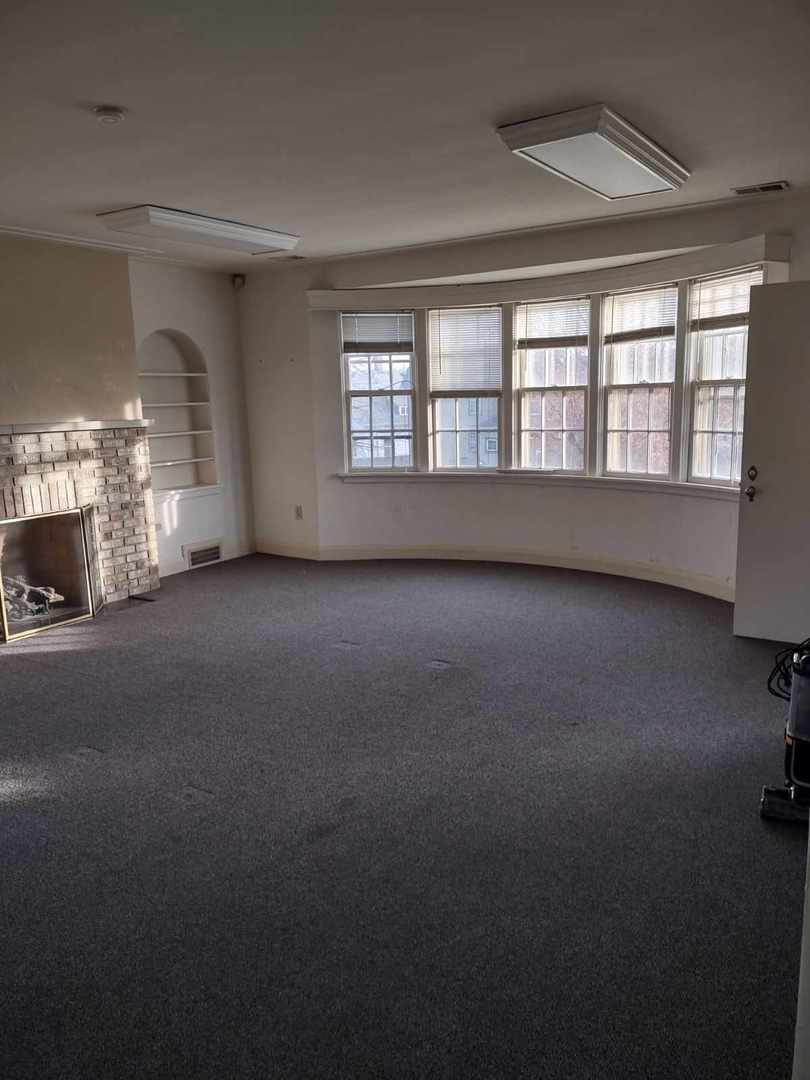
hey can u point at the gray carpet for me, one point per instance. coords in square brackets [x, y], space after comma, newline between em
[395, 820]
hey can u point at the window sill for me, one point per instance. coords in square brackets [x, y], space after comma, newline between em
[526, 476]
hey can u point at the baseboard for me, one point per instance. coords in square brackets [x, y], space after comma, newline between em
[699, 583]
[289, 551]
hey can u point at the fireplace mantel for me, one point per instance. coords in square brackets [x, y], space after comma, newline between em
[34, 426]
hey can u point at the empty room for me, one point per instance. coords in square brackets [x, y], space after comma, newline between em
[404, 540]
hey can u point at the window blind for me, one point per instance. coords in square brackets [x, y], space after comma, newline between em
[554, 324]
[465, 349]
[636, 316]
[377, 332]
[722, 301]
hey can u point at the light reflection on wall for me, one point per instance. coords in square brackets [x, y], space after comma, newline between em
[170, 514]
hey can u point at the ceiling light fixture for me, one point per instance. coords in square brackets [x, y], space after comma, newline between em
[598, 150]
[182, 226]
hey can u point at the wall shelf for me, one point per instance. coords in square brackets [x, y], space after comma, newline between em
[173, 404]
[174, 374]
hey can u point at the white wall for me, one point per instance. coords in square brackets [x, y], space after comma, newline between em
[67, 350]
[201, 304]
[294, 407]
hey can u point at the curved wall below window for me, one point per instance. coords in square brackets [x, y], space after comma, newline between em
[677, 537]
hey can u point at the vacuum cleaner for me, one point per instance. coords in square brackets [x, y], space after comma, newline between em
[790, 681]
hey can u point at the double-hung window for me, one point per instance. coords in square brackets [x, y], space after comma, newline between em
[378, 377]
[465, 350]
[639, 374]
[551, 354]
[718, 341]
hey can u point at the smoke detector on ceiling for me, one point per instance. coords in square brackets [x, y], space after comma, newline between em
[762, 189]
[109, 114]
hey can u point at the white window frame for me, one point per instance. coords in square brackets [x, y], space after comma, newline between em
[692, 383]
[521, 390]
[378, 349]
[768, 253]
[501, 396]
[465, 395]
[652, 333]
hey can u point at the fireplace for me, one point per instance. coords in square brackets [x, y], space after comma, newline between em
[50, 467]
[48, 571]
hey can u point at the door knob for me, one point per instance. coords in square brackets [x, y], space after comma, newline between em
[753, 472]
[750, 492]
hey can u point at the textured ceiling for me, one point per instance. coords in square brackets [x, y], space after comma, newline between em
[370, 125]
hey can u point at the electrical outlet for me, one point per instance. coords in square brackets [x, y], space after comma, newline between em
[299, 512]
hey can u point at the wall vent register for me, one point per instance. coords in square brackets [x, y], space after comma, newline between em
[202, 554]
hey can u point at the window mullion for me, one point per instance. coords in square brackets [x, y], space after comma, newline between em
[594, 450]
[681, 397]
[421, 422]
[506, 413]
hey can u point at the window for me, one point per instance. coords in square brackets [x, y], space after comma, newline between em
[718, 340]
[465, 351]
[551, 342]
[639, 373]
[658, 393]
[379, 386]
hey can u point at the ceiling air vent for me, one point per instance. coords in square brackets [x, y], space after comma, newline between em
[762, 189]
[202, 554]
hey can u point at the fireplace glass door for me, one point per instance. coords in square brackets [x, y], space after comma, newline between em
[44, 572]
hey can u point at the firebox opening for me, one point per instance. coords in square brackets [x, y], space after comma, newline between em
[44, 572]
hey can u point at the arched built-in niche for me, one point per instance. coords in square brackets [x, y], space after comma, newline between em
[175, 395]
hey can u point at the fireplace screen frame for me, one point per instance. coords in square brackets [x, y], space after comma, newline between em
[95, 600]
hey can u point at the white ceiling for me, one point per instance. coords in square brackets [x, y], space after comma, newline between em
[368, 124]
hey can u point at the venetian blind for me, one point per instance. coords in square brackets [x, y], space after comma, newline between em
[554, 324]
[722, 301]
[377, 332]
[636, 316]
[465, 348]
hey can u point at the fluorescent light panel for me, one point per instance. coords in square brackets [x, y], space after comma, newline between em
[179, 225]
[598, 150]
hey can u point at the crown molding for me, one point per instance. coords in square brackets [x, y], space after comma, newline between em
[77, 241]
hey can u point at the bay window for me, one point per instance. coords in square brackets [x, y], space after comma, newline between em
[465, 352]
[645, 384]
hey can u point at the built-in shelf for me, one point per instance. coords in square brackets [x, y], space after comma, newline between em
[180, 461]
[174, 434]
[192, 462]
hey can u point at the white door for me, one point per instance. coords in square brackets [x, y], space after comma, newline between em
[773, 553]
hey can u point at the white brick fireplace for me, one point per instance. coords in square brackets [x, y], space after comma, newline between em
[104, 463]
